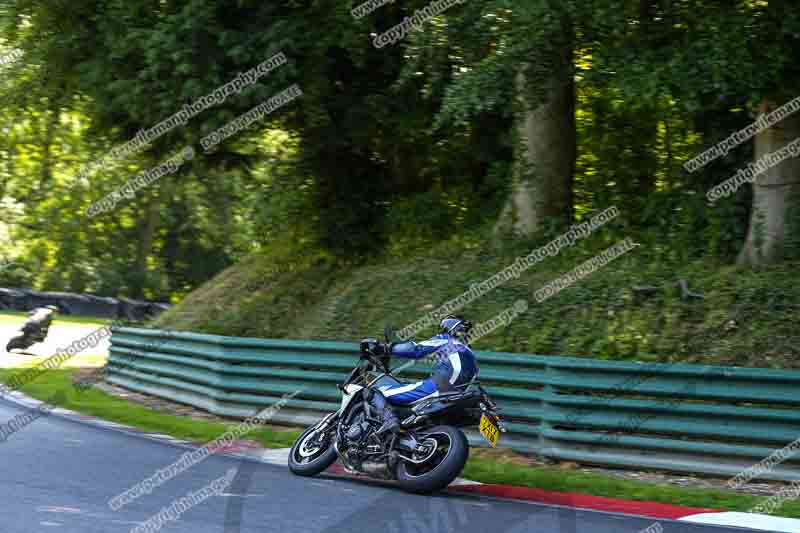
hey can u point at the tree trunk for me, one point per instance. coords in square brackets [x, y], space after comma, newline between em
[545, 166]
[10, 162]
[46, 170]
[773, 190]
[147, 232]
[46, 167]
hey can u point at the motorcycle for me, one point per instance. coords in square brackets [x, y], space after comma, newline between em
[427, 453]
[34, 330]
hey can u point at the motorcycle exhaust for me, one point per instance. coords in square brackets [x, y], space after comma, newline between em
[376, 469]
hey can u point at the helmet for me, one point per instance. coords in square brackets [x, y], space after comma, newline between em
[455, 325]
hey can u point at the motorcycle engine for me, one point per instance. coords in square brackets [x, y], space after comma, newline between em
[357, 431]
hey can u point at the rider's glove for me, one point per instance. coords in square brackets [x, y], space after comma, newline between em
[383, 349]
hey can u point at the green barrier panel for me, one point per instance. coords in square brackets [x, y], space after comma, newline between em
[679, 417]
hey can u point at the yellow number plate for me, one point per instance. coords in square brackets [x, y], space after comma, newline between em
[489, 430]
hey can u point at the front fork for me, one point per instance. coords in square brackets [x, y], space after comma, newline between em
[324, 425]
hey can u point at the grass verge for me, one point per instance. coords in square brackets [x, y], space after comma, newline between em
[559, 480]
[96, 403]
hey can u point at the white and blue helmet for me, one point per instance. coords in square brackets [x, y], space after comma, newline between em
[455, 325]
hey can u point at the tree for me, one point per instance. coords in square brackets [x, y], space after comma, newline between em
[775, 210]
[547, 138]
[774, 193]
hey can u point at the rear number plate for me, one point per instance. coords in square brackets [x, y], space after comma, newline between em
[489, 430]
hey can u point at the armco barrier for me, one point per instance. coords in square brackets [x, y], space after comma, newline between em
[80, 304]
[679, 417]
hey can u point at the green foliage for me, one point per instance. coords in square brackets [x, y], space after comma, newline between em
[15, 276]
[388, 150]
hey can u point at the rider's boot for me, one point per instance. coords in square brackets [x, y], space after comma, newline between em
[390, 420]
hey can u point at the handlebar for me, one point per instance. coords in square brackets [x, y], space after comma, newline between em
[374, 361]
[377, 363]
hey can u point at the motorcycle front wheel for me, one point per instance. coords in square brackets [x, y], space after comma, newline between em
[313, 451]
[447, 451]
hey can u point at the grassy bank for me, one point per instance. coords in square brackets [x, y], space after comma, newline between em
[632, 309]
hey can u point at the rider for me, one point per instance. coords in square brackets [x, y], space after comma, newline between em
[39, 320]
[455, 365]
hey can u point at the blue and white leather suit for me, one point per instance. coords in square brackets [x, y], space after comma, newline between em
[455, 364]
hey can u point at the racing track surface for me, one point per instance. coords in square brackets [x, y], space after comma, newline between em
[58, 475]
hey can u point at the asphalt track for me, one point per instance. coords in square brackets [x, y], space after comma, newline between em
[58, 476]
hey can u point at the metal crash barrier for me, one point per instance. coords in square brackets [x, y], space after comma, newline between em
[679, 417]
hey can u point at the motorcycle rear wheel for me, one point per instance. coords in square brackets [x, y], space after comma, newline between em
[443, 466]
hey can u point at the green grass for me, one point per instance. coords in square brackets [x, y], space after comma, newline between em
[561, 480]
[15, 316]
[96, 403]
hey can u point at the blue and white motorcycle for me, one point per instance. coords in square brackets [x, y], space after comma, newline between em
[427, 453]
